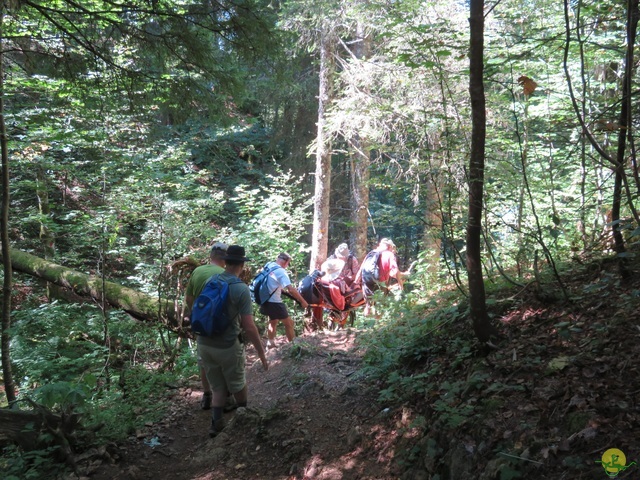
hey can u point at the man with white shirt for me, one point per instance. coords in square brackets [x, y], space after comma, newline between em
[274, 308]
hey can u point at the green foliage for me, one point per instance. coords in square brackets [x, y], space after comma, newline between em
[151, 161]
[272, 218]
[62, 363]
[60, 357]
[56, 342]
[171, 54]
[64, 396]
[32, 465]
[140, 398]
[400, 344]
[302, 349]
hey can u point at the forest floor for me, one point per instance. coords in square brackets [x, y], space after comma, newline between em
[307, 418]
[556, 394]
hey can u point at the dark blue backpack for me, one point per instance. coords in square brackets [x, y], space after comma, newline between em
[209, 313]
[371, 266]
[259, 287]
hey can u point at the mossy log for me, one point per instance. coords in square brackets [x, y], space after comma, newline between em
[138, 304]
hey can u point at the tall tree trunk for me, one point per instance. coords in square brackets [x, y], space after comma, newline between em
[360, 163]
[481, 324]
[624, 124]
[138, 304]
[624, 131]
[359, 203]
[7, 375]
[320, 235]
[521, 256]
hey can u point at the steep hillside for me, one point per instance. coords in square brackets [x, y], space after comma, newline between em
[547, 401]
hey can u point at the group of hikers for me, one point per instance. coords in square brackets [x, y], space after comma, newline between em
[221, 357]
[343, 271]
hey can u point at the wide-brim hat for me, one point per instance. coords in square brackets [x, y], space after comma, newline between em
[342, 250]
[236, 252]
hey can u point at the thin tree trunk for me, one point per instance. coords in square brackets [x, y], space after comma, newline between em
[320, 235]
[624, 127]
[7, 375]
[442, 193]
[136, 303]
[46, 236]
[478, 308]
[582, 226]
[618, 167]
[521, 257]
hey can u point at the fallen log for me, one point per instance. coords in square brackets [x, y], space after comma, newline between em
[23, 427]
[138, 304]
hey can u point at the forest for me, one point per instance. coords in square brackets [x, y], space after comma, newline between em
[492, 140]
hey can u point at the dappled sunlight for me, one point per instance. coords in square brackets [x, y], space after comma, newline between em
[307, 417]
[355, 462]
[517, 315]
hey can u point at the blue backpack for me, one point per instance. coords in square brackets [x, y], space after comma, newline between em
[371, 266]
[209, 313]
[259, 288]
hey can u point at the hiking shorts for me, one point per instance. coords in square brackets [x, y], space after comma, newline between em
[275, 311]
[200, 362]
[224, 367]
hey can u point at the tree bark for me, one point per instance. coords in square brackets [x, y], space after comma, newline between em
[136, 303]
[320, 235]
[625, 125]
[360, 175]
[360, 162]
[5, 342]
[478, 307]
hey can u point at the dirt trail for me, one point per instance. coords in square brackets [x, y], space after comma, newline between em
[307, 418]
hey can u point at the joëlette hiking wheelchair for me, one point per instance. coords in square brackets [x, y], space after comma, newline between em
[335, 297]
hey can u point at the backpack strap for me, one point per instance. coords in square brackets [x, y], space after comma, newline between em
[269, 271]
[233, 281]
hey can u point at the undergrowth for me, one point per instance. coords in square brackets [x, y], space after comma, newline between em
[116, 386]
[530, 406]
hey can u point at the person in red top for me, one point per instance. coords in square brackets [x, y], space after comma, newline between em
[387, 270]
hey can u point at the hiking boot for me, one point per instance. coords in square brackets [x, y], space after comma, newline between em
[205, 402]
[216, 427]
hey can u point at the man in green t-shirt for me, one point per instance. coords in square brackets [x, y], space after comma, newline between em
[223, 355]
[196, 283]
